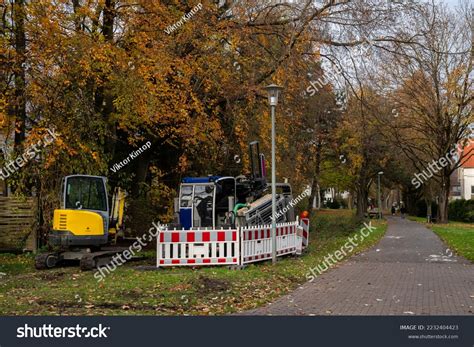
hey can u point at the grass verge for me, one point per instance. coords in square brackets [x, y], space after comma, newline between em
[172, 291]
[458, 236]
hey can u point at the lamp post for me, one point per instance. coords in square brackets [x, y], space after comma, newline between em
[273, 93]
[380, 173]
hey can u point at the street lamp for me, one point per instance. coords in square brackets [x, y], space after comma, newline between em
[380, 173]
[273, 93]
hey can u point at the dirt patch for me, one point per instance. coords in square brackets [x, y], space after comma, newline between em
[61, 305]
[132, 294]
[206, 285]
[50, 275]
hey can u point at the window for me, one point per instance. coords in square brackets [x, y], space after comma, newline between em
[186, 196]
[86, 193]
[203, 205]
[224, 188]
[456, 190]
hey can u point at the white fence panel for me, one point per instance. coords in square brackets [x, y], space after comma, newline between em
[256, 241]
[198, 247]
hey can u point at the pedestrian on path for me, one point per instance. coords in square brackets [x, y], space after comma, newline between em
[403, 210]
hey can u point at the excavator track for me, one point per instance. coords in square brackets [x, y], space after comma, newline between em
[87, 261]
[96, 259]
[46, 260]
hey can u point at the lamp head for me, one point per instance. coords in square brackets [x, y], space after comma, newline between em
[273, 91]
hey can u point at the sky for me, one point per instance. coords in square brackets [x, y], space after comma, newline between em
[452, 3]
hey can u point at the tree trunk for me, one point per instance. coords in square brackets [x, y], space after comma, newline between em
[141, 172]
[20, 47]
[315, 184]
[443, 198]
[362, 194]
[429, 211]
[318, 200]
[103, 98]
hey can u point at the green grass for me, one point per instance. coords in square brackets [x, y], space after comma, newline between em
[458, 236]
[170, 291]
[417, 219]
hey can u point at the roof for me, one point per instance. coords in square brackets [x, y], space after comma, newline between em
[470, 162]
[200, 179]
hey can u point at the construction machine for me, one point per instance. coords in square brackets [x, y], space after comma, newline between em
[225, 201]
[86, 226]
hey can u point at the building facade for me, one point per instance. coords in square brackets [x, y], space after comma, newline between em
[462, 180]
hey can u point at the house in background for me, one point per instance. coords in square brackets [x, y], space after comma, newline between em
[455, 186]
[466, 174]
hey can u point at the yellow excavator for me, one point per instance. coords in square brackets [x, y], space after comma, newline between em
[86, 226]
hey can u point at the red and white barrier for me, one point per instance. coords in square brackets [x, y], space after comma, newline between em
[287, 242]
[198, 247]
[304, 222]
[256, 243]
[227, 247]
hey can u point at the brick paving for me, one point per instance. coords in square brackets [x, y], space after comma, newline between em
[409, 272]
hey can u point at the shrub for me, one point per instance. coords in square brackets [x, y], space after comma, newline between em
[335, 204]
[461, 210]
[421, 209]
[331, 225]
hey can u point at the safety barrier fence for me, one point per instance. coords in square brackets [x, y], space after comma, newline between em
[198, 247]
[238, 246]
[305, 225]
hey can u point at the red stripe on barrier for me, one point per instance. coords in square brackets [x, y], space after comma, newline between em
[191, 261]
[220, 236]
[190, 237]
[206, 236]
[162, 261]
[221, 260]
[162, 237]
[174, 237]
[206, 261]
[234, 236]
[175, 261]
[234, 260]
[268, 233]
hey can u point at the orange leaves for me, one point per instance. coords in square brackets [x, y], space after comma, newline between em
[3, 111]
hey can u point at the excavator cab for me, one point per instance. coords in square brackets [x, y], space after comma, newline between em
[83, 219]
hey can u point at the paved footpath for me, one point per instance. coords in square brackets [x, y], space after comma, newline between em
[410, 271]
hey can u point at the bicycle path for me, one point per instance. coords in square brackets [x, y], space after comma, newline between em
[409, 272]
